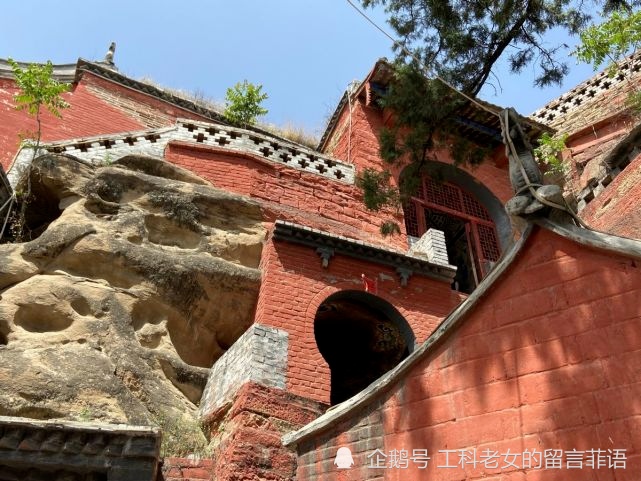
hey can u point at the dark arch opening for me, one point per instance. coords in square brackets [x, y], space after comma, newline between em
[473, 220]
[361, 337]
[41, 206]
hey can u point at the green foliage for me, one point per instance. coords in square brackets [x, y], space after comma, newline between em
[181, 437]
[85, 415]
[420, 127]
[463, 39]
[377, 190]
[417, 121]
[611, 40]
[549, 152]
[464, 151]
[388, 148]
[378, 193]
[243, 104]
[107, 160]
[38, 89]
[390, 228]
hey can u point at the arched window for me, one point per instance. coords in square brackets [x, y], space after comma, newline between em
[470, 233]
[361, 336]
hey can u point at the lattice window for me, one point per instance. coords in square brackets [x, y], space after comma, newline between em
[466, 223]
[440, 221]
[474, 208]
[411, 219]
[421, 191]
[489, 242]
[442, 194]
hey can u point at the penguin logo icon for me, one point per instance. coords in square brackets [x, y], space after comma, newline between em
[344, 458]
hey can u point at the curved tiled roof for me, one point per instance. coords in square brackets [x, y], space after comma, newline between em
[404, 263]
[72, 73]
[474, 118]
[61, 72]
[44, 448]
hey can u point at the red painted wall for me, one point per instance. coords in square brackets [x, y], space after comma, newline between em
[287, 193]
[360, 146]
[364, 150]
[144, 108]
[616, 209]
[587, 148]
[295, 284]
[549, 359]
[87, 116]
[596, 126]
[98, 107]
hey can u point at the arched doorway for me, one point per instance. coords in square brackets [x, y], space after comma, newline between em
[361, 337]
[472, 219]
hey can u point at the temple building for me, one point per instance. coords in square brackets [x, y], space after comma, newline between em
[255, 293]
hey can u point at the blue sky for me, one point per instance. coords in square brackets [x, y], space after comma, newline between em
[304, 52]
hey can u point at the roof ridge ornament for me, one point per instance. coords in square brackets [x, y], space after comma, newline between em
[109, 56]
[530, 195]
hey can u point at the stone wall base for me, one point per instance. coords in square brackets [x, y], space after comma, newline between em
[183, 469]
[247, 433]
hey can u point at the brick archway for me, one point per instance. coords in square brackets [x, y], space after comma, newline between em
[360, 337]
[295, 284]
[472, 219]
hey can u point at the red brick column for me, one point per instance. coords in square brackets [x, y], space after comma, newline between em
[248, 433]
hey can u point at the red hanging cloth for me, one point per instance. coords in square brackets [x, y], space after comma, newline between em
[370, 285]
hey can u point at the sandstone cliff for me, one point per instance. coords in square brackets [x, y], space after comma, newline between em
[116, 311]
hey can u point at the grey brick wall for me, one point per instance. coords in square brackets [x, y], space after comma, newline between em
[259, 355]
[109, 148]
[362, 434]
[431, 246]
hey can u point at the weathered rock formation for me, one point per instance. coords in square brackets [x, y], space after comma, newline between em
[118, 309]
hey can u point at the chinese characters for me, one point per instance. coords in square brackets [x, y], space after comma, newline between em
[490, 459]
